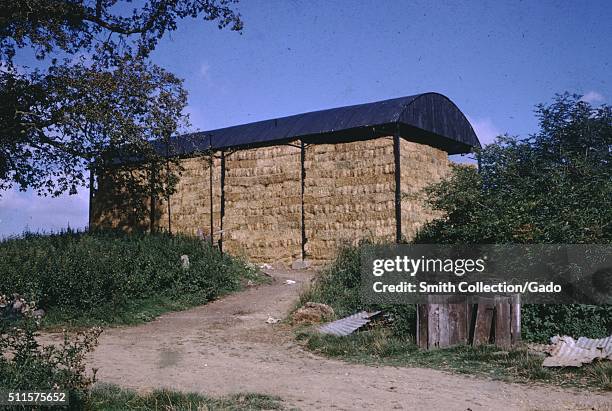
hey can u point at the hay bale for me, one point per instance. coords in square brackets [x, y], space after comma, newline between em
[313, 313]
[349, 196]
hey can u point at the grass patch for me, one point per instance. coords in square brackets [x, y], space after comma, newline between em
[392, 343]
[112, 398]
[130, 313]
[380, 346]
[112, 278]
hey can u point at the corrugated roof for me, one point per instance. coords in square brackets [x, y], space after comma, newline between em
[428, 118]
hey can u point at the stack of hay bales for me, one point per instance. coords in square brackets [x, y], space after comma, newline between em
[421, 165]
[190, 205]
[349, 191]
[263, 204]
[349, 195]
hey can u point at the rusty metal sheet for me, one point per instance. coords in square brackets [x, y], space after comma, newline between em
[347, 325]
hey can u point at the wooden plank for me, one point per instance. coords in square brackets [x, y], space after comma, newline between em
[458, 323]
[433, 331]
[444, 326]
[502, 322]
[422, 326]
[484, 320]
[515, 319]
[471, 321]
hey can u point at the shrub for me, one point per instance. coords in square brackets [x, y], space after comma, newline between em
[540, 322]
[339, 284]
[27, 365]
[551, 188]
[101, 274]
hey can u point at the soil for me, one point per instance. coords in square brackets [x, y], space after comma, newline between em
[226, 347]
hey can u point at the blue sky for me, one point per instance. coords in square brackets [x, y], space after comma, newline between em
[495, 60]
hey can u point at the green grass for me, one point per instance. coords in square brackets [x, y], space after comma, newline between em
[379, 346]
[113, 278]
[338, 285]
[131, 313]
[106, 397]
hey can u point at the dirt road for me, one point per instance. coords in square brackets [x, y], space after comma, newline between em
[226, 347]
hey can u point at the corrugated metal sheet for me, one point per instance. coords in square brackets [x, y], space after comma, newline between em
[605, 344]
[347, 325]
[429, 118]
[567, 352]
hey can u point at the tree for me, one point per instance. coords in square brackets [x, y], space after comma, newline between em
[55, 123]
[78, 25]
[553, 187]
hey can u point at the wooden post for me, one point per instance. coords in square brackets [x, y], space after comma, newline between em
[515, 319]
[210, 193]
[484, 321]
[91, 196]
[153, 200]
[458, 323]
[302, 179]
[502, 322]
[168, 196]
[222, 200]
[398, 188]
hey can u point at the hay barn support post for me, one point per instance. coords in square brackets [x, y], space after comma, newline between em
[302, 183]
[210, 195]
[168, 196]
[515, 319]
[91, 196]
[398, 187]
[222, 200]
[153, 200]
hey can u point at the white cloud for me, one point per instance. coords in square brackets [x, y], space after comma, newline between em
[593, 97]
[21, 210]
[204, 69]
[484, 129]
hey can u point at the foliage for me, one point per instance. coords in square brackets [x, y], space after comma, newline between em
[26, 364]
[77, 117]
[540, 322]
[552, 188]
[76, 26]
[505, 203]
[379, 346]
[98, 99]
[107, 277]
[109, 398]
[338, 285]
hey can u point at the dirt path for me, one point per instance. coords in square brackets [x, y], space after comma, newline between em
[226, 347]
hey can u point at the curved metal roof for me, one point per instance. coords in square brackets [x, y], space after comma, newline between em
[428, 118]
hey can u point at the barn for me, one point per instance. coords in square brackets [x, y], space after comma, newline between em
[296, 188]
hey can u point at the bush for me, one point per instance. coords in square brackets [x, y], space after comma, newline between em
[97, 275]
[26, 365]
[540, 322]
[339, 284]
